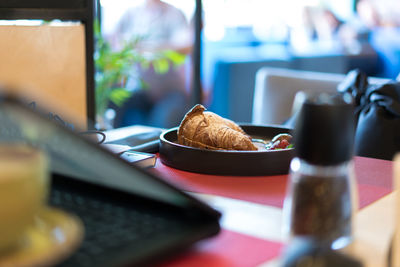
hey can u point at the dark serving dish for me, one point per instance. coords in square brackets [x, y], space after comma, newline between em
[224, 162]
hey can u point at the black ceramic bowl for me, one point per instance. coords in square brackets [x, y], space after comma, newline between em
[224, 162]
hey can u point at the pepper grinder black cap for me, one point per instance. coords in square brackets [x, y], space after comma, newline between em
[324, 131]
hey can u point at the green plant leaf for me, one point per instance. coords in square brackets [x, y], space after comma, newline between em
[115, 67]
[175, 57]
[119, 95]
[144, 85]
[161, 65]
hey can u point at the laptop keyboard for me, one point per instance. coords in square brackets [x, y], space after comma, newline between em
[109, 227]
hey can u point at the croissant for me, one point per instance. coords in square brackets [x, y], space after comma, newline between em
[205, 129]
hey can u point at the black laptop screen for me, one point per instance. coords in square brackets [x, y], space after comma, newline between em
[75, 156]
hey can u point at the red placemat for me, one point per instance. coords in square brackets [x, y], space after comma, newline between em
[228, 249]
[374, 178]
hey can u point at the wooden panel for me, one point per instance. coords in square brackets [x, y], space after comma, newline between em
[47, 64]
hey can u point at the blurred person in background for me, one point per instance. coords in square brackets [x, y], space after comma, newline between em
[385, 38]
[358, 29]
[327, 25]
[375, 25]
[305, 30]
[317, 25]
[160, 100]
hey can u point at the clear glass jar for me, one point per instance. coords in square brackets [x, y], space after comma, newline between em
[320, 202]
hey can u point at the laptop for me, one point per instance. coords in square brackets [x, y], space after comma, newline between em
[131, 217]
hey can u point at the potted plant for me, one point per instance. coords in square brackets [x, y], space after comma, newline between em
[115, 67]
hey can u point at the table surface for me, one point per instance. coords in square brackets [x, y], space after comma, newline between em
[252, 215]
[251, 220]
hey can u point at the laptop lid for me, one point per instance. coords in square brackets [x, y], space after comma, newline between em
[96, 172]
[80, 158]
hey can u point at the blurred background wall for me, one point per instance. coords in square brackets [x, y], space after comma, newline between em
[240, 37]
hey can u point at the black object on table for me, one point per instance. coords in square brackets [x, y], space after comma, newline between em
[143, 142]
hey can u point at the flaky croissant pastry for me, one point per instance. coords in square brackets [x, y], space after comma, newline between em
[205, 129]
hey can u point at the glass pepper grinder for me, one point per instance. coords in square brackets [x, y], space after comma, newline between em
[321, 196]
